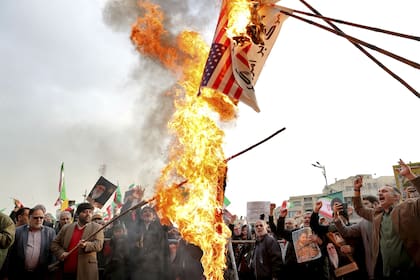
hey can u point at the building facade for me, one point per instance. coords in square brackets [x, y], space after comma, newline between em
[300, 204]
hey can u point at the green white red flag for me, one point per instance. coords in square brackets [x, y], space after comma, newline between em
[118, 197]
[62, 199]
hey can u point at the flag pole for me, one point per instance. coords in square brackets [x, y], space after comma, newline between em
[255, 145]
[354, 40]
[375, 29]
[380, 64]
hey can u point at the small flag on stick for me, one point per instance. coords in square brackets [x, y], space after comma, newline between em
[108, 213]
[62, 199]
[118, 197]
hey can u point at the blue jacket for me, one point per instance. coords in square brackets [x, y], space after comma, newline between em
[17, 257]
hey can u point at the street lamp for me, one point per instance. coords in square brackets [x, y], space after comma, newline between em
[318, 165]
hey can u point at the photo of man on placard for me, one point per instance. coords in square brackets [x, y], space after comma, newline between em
[101, 192]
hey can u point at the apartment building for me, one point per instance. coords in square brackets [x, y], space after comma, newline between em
[303, 203]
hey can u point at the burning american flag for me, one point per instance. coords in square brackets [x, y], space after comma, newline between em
[245, 34]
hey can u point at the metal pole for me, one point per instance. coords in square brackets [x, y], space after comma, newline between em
[232, 258]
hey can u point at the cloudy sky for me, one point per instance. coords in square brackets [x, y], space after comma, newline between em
[74, 90]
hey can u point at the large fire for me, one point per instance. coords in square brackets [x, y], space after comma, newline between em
[190, 190]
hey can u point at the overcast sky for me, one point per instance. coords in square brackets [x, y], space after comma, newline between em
[74, 90]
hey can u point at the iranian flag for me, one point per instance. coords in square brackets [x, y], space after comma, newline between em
[62, 198]
[118, 197]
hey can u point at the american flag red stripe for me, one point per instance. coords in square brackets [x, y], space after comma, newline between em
[220, 35]
[243, 58]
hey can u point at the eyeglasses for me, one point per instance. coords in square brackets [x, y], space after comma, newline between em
[37, 218]
[258, 225]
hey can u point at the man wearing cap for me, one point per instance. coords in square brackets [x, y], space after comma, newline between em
[82, 262]
[97, 218]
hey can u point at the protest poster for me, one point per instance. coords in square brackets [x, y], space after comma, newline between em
[305, 249]
[342, 263]
[254, 209]
[101, 192]
[401, 182]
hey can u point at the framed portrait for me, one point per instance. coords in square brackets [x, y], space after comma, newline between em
[305, 249]
[101, 192]
[341, 263]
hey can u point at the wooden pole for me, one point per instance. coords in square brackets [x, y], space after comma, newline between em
[365, 52]
[253, 146]
[375, 29]
[358, 41]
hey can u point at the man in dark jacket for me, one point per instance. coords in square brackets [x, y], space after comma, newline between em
[149, 247]
[266, 259]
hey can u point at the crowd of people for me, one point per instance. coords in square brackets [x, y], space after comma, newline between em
[81, 245]
[384, 244]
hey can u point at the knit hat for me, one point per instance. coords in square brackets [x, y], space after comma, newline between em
[97, 216]
[83, 206]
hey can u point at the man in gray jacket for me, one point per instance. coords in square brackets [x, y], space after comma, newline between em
[362, 229]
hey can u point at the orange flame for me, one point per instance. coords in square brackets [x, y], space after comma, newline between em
[196, 154]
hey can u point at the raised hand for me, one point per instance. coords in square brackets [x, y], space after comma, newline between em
[272, 207]
[358, 183]
[283, 212]
[318, 206]
[405, 170]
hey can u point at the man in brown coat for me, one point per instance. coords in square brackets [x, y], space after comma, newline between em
[396, 229]
[82, 262]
